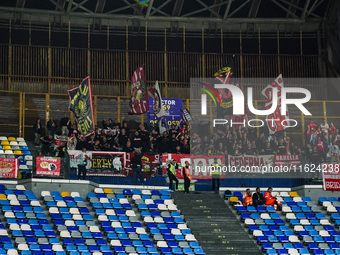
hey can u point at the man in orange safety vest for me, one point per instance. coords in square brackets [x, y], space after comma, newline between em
[247, 199]
[187, 176]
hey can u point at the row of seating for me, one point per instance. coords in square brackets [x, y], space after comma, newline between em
[29, 227]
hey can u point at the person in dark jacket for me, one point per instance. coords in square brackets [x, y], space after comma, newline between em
[187, 176]
[52, 126]
[258, 198]
[37, 131]
[136, 163]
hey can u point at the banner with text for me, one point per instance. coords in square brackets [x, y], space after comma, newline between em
[287, 160]
[102, 163]
[250, 160]
[58, 139]
[48, 166]
[172, 112]
[331, 176]
[82, 106]
[9, 168]
[198, 164]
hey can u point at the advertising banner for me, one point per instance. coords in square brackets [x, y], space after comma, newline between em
[8, 168]
[49, 166]
[198, 164]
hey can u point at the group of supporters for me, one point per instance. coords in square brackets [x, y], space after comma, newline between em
[321, 140]
[260, 199]
[113, 136]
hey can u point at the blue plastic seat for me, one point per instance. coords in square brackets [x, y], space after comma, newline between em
[271, 252]
[158, 201]
[328, 239]
[127, 192]
[300, 216]
[271, 209]
[241, 209]
[318, 239]
[142, 206]
[251, 209]
[269, 222]
[315, 222]
[320, 216]
[262, 239]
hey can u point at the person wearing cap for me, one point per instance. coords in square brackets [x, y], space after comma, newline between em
[187, 176]
[136, 163]
[172, 173]
[215, 176]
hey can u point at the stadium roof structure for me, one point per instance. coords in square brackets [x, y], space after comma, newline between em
[289, 16]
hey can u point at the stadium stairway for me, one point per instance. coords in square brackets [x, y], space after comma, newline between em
[214, 225]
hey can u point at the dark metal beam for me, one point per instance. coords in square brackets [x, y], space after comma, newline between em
[292, 8]
[20, 3]
[60, 5]
[303, 16]
[284, 8]
[149, 9]
[178, 8]
[239, 8]
[69, 6]
[159, 8]
[100, 6]
[80, 21]
[255, 6]
[227, 10]
[315, 5]
[217, 7]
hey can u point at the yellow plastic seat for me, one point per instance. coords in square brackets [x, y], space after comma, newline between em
[108, 191]
[12, 139]
[17, 153]
[3, 197]
[233, 199]
[65, 194]
[293, 194]
[4, 143]
[7, 147]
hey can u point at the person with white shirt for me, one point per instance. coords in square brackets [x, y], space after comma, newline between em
[324, 127]
[83, 159]
[334, 152]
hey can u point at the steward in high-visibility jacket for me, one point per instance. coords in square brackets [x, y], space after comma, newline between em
[172, 174]
[247, 198]
[215, 175]
[187, 176]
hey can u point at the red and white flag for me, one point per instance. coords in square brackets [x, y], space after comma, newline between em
[139, 96]
[275, 119]
[158, 108]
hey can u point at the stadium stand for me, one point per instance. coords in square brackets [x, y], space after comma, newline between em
[11, 147]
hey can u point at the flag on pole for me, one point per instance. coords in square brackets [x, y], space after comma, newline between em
[139, 97]
[158, 108]
[275, 120]
[82, 106]
[187, 115]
